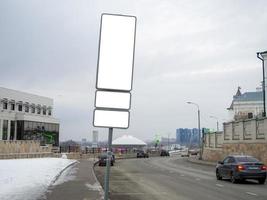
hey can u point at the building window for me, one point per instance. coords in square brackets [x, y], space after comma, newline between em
[12, 106]
[49, 112]
[38, 111]
[33, 109]
[5, 128]
[5, 105]
[12, 130]
[20, 107]
[27, 108]
[46, 133]
[44, 111]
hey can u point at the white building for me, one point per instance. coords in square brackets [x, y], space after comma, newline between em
[25, 116]
[246, 105]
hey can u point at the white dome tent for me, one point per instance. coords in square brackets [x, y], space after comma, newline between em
[127, 144]
[128, 141]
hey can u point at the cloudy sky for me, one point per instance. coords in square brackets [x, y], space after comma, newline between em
[198, 51]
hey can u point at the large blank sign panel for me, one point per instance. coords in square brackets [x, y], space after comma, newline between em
[116, 100]
[116, 52]
[111, 119]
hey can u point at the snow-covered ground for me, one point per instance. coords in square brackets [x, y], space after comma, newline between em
[28, 179]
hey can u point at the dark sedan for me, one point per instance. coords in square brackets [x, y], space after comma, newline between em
[103, 159]
[241, 167]
[164, 153]
[142, 154]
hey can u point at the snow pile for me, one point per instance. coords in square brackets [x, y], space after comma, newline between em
[28, 179]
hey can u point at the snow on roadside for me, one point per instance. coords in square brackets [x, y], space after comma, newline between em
[28, 179]
[68, 175]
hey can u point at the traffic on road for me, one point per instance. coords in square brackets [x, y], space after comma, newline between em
[175, 178]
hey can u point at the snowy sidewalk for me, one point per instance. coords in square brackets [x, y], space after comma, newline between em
[28, 179]
[78, 182]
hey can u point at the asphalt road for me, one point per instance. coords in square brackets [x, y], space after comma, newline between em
[174, 178]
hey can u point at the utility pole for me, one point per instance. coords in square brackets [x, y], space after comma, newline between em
[217, 122]
[262, 56]
[168, 141]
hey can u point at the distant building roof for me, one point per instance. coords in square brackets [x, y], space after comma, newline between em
[246, 97]
[250, 96]
[128, 140]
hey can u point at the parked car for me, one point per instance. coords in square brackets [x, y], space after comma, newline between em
[193, 152]
[102, 159]
[142, 154]
[164, 153]
[241, 167]
[185, 152]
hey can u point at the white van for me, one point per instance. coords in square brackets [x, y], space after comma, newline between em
[185, 152]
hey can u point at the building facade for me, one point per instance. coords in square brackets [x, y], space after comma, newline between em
[246, 105]
[25, 116]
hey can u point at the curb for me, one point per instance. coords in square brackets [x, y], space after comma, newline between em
[200, 162]
[58, 175]
[101, 189]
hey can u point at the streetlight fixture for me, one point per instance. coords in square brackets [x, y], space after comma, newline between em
[217, 122]
[199, 131]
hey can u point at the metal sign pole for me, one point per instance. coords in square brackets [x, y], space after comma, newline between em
[110, 132]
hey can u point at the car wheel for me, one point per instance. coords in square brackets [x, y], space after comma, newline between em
[261, 181]
[233, 179]
[218, 176]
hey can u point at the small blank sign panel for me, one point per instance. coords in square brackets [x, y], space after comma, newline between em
[119, 100]
[116, 52]
[111, 119]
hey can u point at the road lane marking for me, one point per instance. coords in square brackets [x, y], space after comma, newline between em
[251, 193]
[219, 185]
[182, 175]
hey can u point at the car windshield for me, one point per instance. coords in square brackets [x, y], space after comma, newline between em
[246, 159]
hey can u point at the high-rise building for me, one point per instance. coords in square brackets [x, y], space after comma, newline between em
[95, 139]
[187, 137]
[183, 136]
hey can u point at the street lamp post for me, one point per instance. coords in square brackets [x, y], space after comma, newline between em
[168, 141]
[262, 57]
[217, 123]
[199, 131]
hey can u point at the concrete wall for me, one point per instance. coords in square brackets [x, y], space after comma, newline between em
[23, 147]
[213, 140]
[246, 131]
[257, 150]
[239, 137]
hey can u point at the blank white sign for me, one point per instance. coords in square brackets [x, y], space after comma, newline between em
[116, 52]
[111, 119]
[119, 100]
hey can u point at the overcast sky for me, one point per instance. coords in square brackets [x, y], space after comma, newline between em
[198, 51]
